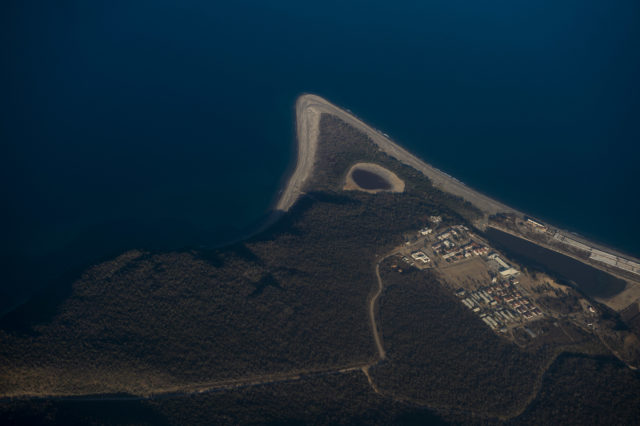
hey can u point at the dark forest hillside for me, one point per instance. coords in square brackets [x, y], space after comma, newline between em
[276, 328]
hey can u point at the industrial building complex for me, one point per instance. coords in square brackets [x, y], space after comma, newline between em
[495, 295]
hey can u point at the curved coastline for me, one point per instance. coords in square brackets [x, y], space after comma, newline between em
[309, 109]
[307, 132]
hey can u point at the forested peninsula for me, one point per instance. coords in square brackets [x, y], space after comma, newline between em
[329, 315]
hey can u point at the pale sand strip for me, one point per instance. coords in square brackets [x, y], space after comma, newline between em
[309, 108]
[307, 130]
[308, 111]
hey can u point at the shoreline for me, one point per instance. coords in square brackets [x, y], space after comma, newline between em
[307, 133]
[309, 109]
[617, 302]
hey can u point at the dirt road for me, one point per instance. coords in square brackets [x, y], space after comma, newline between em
[372, 314]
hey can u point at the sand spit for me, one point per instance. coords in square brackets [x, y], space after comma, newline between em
[307, 131]
[309, 108]
[397, 184]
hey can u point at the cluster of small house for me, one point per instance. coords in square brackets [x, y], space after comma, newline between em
[508, 294]
[448, 247]
[446, 239]
[455, 231]
[470, 249]
[425, 231]
[500, 304]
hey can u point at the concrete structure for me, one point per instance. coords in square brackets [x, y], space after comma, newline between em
[616, 261]
[426, 231]
[435, 219]
[509, 272]
[498, 259]
[536, 225]
[571, 242]
[419, 255]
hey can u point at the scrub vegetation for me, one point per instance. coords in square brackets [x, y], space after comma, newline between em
[277, 328]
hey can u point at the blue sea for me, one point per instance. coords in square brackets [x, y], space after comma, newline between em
[168, 124]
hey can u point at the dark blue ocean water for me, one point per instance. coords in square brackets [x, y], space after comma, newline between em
[161, 124]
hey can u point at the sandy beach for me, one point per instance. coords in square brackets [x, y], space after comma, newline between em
[307, 132]
[309, 108]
